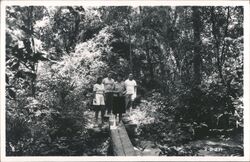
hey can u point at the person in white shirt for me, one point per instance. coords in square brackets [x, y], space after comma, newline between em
[130, 86]
[98, 101]
[109, 87]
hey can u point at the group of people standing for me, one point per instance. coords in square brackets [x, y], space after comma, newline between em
[113, 96]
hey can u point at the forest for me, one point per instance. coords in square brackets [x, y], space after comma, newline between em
[186, 60]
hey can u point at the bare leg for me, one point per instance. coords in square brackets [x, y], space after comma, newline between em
[114, 119]
[102, 113]
[120, 117]
[132, 104]
[105, 106]
[127, 101]
[96, 113]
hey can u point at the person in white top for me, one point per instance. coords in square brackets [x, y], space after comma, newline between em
[130, 86]
[109, 87]
[98, 100]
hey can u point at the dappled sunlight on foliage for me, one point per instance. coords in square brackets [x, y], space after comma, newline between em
[143, 113]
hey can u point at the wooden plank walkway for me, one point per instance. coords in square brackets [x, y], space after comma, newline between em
[120, 141]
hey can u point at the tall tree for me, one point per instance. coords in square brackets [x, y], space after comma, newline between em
[197, 45]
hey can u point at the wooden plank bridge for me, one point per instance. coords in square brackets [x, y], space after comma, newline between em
[120, 141]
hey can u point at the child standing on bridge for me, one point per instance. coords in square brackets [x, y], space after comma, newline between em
[98, 101]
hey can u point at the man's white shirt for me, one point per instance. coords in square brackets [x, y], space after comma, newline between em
[130, 86]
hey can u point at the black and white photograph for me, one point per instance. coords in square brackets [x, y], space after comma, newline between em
[133, 80]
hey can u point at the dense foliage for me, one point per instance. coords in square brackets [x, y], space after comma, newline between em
[188, 62]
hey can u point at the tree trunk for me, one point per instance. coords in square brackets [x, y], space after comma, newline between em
[197, 45]
[32, 42]
[149, 60]
[130, 52]
[217, 36]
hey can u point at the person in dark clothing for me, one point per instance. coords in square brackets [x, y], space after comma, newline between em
[119, 98]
